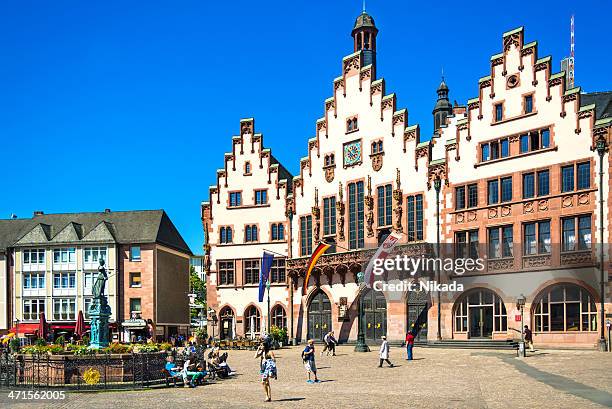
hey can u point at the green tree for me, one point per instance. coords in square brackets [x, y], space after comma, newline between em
[198, 287]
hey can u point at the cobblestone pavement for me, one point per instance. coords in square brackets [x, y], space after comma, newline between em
[437, 378]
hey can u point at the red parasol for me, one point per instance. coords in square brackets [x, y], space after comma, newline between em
[79, 329]
[42, 326]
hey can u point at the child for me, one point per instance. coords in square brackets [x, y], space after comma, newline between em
[308, 356]
[268, 371]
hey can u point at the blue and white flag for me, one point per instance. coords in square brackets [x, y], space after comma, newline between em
[264, 274]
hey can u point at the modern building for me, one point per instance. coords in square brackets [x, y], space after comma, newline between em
[53, 261]
[517, 174]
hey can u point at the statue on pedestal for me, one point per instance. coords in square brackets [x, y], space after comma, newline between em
[99, 311]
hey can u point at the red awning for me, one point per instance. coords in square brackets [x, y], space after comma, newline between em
[26, 328]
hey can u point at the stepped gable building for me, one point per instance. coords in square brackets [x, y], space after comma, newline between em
[245, 215]
[519, 187]
[53, 261]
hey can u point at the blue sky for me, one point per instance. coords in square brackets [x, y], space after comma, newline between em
[131, 105]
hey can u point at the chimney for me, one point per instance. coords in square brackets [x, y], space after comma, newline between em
[38, 213]
[107, 210]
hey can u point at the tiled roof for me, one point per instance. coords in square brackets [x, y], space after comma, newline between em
[142, 226]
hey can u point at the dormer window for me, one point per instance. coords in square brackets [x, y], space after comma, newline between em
[377, 147]
[352, 125]
[247, 168]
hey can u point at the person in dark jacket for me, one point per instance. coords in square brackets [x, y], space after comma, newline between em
[528, 338]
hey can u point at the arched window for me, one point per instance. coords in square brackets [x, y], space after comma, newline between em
[332, 159]
[247, 167]
[380, 146]
[565, 308]
[252, 321]
[279, 317]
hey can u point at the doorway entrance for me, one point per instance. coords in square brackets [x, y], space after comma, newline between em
[480, 313]
[375, 314]
[226, 321]
[319, 316]
[418, 307]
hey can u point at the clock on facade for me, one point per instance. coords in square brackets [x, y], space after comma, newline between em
[352, 153]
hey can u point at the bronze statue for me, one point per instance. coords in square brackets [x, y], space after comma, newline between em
[99, 284]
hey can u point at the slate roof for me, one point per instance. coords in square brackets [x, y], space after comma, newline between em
[141, 226]
[602, 101]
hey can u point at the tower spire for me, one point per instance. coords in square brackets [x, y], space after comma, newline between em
[364, 8]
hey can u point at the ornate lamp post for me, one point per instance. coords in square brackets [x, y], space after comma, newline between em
[602, 148]
[361, 345]
[213, 321]
[520, 304]
[437, 186]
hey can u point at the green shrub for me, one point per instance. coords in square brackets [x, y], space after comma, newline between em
[55, 349]
[85, 340]
[82, 350]
[40, 342]
[60, 340]
[116, 348]
[14, 344]
[278, 334]
[34, 349]
[165, 346]
[146, 348]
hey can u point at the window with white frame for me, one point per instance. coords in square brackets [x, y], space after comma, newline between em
[63, 281]
[93, 255]
[87, 301]
[34, 256]
[33, 281]
[32, 307]
[64, 255]
[64, 309]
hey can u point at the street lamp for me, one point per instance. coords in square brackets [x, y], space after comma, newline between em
[437, 186]
[601, 147]
[520, 304]
[361, 345]
[213, 319]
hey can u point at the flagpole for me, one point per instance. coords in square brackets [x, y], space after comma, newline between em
[268, 285]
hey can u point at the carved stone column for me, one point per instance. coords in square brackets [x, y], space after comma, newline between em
[340, 213]
[316, 215]
[397, 204]
[369, 206]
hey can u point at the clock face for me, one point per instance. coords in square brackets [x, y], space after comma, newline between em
[352, 153]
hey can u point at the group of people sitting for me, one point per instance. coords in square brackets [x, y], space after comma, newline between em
[194, 370]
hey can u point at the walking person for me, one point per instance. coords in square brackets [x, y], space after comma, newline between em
[409, 345]
[308, 356]
[384, 353]
[528, 338]
[267, 372]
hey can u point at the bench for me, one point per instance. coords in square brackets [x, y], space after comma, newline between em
[169, 378]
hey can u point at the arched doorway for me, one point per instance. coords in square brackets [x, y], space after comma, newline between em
[375, 314]
[479, 313]
[417, 308]
[226, 323]
[319, 316]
